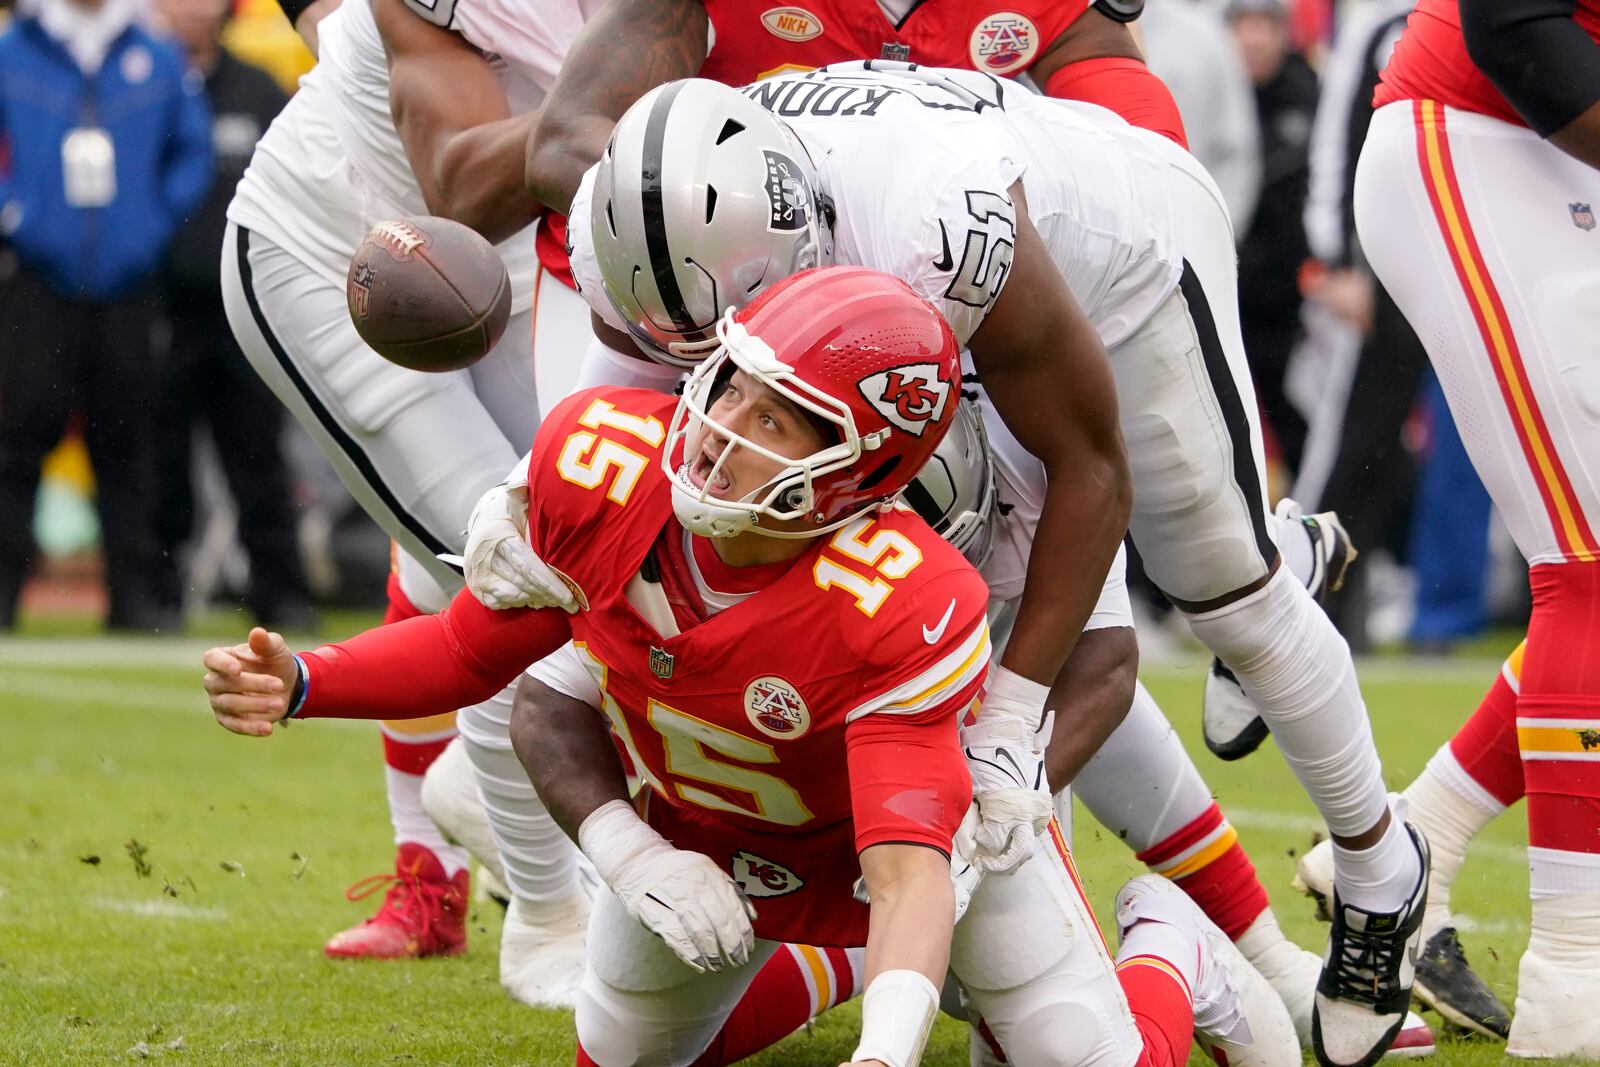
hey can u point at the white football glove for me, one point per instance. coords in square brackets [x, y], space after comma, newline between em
[964, 873]
[682, 897]
[1009, 791]
[501, 569]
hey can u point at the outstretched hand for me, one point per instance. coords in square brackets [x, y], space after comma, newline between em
[249, 685]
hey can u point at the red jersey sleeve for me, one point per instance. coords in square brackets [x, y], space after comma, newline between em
[925, 670]
[428, 664]
[908, 779]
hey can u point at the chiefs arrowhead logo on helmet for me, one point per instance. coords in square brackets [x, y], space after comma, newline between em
[911, 397]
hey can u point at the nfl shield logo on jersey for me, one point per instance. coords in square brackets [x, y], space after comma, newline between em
[660, 663]
[910, 397]
[763, 878]
[776, 709]
[1582, 216]
[1003, 42]
[785, 193]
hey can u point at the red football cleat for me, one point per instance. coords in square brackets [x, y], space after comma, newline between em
[423, 914]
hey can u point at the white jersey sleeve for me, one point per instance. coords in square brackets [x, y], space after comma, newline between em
[564, 672]
[949, 234]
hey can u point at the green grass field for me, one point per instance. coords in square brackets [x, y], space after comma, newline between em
[165, 887]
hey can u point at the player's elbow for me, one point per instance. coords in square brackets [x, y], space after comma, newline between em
[1483, 27]
[556, 158]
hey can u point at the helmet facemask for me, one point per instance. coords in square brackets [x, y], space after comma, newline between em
[789, 496]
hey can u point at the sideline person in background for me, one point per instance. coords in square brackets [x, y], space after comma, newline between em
[107, 147]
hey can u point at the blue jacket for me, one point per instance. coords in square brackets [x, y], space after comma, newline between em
[155, 112]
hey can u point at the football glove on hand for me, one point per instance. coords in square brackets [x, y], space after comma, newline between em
[682, 897]
[501, 569]
[1009, 791]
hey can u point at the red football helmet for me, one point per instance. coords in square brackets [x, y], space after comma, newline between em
[858, 350]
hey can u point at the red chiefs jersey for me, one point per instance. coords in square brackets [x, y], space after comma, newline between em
[1430, 62]
[782, 735]
[755, 39]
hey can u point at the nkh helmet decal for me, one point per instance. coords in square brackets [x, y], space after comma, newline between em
[818, 339]
[701, 198]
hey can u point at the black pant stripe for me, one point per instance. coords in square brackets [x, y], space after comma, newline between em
[1231, 404]
[347, 444]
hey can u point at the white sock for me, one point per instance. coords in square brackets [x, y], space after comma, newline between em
[1294, 545]
[540, 861]
[1449, 808]
[1149, 937]
[1566, 930]
[412, 824]
[1297, 669]
[1380, 878]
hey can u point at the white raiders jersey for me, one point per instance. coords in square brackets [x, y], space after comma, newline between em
[918, 162]
[332, 164]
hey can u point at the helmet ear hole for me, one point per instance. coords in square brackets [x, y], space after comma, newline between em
[796, 498]
[884, 470]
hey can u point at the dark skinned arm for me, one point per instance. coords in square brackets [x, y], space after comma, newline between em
[1580, 138]
[465, 147]
[1047, 374]
[1544, 63]
[1091, 696]
[1091, 36]
[566, 749]
[627, 49]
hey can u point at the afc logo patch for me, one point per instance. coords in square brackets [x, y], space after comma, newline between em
[776, 708]
[1003, 42]
[786, 194]
[361, 288]
[1582, 216]
[910, 397]
[763, 878]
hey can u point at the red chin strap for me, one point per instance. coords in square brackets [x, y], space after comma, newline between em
[1125, 86]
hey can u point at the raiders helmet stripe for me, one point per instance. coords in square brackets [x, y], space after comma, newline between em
[655, 224]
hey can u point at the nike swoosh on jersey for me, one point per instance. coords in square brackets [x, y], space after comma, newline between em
[932, 636]
[945, 260]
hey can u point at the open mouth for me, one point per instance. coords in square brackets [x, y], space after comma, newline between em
[700, 476]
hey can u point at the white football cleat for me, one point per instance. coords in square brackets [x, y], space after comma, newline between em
[1293, 973]
[1364, 995]
[1229, 720]
[1238, 1019]
[542, 951]
[1556, 981]
[450, 797]
[1445, 980]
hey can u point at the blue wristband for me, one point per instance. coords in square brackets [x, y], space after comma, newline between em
[302, 687]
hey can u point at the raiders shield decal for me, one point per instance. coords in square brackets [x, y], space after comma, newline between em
[786, 194]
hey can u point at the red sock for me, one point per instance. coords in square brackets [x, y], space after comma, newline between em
[1558, 716]
[1207, 862]
[1162, 1009]
[1125, 86]
[796, 985]
[1486, 744]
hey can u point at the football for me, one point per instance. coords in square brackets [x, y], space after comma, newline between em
[428, 294]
